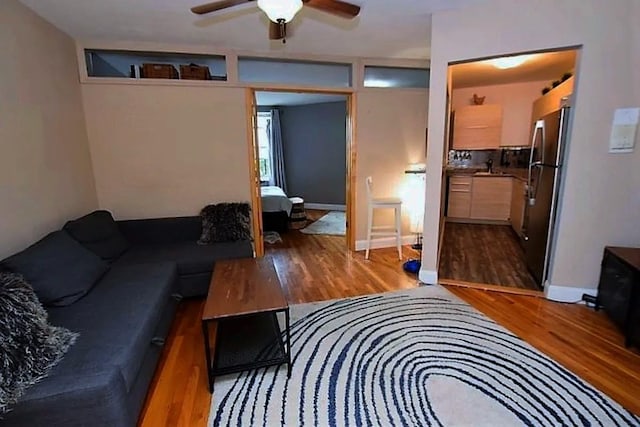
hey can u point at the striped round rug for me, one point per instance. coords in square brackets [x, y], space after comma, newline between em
[413, 358]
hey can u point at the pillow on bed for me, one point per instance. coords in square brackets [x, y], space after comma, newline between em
[225, 222]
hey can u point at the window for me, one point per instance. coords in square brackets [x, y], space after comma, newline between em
[126, 64]
[265, 70]
[264, 146]
[395, 77]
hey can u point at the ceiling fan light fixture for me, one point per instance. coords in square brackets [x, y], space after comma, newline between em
[280, 10]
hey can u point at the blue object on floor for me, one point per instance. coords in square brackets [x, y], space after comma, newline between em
[412, 266]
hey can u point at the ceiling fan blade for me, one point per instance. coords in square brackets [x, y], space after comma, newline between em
[218, 5]
[335, 7]
[277, 31]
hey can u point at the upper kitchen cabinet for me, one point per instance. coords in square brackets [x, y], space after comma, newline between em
[551, 101]
[477, 127]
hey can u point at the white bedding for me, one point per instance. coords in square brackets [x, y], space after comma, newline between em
[274, 200]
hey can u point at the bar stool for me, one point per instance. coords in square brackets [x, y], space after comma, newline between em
[394, 203]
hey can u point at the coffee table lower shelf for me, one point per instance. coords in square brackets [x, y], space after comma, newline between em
[246, 342]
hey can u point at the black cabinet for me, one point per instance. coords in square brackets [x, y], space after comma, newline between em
[619, 290]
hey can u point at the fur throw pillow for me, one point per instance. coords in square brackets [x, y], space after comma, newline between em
[29, 345]
[225, 222]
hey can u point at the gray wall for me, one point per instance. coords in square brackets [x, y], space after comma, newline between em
[314, 138]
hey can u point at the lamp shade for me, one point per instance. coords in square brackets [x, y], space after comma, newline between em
[415, 195]
[278, 10]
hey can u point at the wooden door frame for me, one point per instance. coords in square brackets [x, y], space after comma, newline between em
[254, 175]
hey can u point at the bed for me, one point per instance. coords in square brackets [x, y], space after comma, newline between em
[276, 208]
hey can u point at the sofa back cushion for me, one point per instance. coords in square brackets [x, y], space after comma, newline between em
[99, 233]
[60, 270]
[155, 231]
[30, 345]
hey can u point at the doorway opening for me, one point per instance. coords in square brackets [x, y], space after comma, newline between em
[302, 156]
[509, 119]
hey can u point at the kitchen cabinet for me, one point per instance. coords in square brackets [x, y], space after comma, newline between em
[551, 101]
[459, 205]
[491, 198]
[517, 205]
[477, 127]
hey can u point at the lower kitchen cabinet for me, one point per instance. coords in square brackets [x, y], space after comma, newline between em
[518, 201]
[491, 198]
[459, 205]
[484, 198]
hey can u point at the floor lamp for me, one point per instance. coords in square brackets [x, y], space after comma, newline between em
[415, 203]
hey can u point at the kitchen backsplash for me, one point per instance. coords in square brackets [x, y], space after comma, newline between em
[506, 157]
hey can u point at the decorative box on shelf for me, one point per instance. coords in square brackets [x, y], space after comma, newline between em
[158, 71]
[194, 72]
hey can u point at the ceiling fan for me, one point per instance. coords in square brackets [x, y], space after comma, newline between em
[280, 12]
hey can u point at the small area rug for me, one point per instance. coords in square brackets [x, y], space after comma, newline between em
[419, 358]
[333, 223]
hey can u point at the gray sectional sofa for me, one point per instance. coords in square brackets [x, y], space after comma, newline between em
[123, 319]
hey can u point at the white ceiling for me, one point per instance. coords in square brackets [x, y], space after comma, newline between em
[290, 98]
[384, 29]
[544, 66]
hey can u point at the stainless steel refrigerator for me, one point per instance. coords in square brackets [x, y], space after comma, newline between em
[544, 175]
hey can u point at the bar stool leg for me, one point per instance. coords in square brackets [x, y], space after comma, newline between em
[369, 227]
[398, 215]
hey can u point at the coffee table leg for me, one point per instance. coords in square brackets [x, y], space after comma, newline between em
[286, 315]
[207, 352]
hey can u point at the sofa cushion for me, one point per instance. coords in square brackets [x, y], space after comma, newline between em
[191, 257]
[117, 320]
[96, 398]
[60, 270]
[30, 345]
[99, 233]
[161, 230]
[225, 222]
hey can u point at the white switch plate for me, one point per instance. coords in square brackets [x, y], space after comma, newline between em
[624, 129]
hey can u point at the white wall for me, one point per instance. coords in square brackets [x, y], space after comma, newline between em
[166, 150]
[390, 135]
[601, 196]
[516, 100]
[169, 150]
[45, 168]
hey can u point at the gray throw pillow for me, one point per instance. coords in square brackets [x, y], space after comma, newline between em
[29, 345]
[59, 268]
[99, 233]
[225, 222]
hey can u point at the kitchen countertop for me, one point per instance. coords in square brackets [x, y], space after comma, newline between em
[517, 173]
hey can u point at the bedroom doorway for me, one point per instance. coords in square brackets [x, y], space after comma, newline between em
[302, 157]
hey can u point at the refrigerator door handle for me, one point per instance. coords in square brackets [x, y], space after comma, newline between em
[531, 192]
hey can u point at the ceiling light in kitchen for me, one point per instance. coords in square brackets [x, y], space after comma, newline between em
[509, 61]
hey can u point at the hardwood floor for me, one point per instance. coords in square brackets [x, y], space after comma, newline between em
[315, 268]
[582, 340]
[319, 267]
[488, 254]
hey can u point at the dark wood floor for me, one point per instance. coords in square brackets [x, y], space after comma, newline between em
[487, 254]
[320, 267]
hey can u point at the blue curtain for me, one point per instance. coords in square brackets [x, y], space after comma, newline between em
[278, 176]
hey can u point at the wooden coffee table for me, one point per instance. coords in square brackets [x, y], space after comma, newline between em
[242, 306]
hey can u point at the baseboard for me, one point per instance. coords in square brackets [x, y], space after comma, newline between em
[325, 206]
[477, 221]
[429, 277]
[385, 242]
[567, 293]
